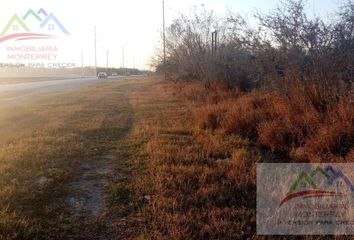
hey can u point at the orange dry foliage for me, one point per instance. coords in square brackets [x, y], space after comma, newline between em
[201, 170]
[303, 123]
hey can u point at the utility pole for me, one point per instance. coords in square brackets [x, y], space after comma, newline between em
[214, 41]
[164, 33]
[123, 59]
[164, 38]
[107, 59]
[82, 65]
[95, 51]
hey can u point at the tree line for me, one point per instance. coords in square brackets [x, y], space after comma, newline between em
[284, 47]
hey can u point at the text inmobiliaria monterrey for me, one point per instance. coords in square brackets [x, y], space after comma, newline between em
[33, 39]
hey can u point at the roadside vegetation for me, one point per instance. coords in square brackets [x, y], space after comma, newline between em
[286, 84]
[60, 168]
[123, 71]
[278, 92]
[182, 153]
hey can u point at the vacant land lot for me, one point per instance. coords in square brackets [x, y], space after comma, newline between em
[134, 159]
[59, 161]
[202, 146]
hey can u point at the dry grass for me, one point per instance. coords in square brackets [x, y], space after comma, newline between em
[334, 139]
[197, 155]
[301, 124]
[43, 144]
[197, 189]
[192, 154]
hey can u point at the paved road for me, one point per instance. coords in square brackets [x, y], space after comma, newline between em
[17, 93]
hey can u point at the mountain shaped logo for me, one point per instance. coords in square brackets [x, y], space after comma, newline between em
[329, 174]
[18, 29]
[31, 13]
[339, 175]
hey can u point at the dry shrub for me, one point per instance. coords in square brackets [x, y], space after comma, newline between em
[210, 116]
[197, 92]
[350, 156]
[218, 92]
[308, 118]
[306, 122]
[335, 137]
[236, 115]
[293, 119]
[194, 91]
[244, 115]
[239, 156]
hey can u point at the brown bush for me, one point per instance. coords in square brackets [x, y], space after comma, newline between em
[335, 137]
[193, 91]
[211, 116]
[293, 119]
[245, 114]
[304, 123]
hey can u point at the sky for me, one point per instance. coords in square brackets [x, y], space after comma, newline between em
[133, 25]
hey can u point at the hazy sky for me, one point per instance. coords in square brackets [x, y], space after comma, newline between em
[134, 24]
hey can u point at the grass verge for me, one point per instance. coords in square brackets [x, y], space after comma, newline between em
[52, 139]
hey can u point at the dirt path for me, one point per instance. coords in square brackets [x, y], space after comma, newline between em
[87, 199]
[86, 193]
